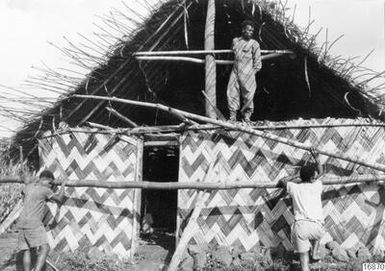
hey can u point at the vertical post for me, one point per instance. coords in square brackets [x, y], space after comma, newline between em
[21, 158]
[137, 199]
[210, 67]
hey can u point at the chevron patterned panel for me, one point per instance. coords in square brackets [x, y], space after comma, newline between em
[100, 217]
[262, 217]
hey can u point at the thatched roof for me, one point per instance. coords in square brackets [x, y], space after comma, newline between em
[312, 85]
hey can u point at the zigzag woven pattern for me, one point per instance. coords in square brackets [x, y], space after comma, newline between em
[255, 217]
[100, 217]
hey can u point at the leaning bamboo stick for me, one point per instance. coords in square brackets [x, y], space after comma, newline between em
[216, 110]
[11, 217]
[256, 184]
[122, 117]
[192, 226]
[238, 127]
[188, 231]
[48, 261]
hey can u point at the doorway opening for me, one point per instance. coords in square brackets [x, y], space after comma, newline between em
[159, 207]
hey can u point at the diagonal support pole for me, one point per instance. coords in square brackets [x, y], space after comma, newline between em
[192, 226]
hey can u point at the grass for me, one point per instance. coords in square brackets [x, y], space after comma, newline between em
[80, 261]
[10, 194]
[288, 262]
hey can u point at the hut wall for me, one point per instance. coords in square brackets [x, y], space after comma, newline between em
[104, 218]
[262, 217]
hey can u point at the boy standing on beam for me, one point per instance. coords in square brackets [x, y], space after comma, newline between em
[306, 195]
[242, 83]
[32, 233]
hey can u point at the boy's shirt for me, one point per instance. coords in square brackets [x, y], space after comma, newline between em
[307, 203]
[247, 56]
[35, 196]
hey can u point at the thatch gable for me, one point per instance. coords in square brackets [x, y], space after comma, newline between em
[312, 85]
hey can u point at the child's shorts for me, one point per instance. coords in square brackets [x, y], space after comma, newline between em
[29, 238]
[303, 232]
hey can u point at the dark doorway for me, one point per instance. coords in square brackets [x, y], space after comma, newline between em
[159, 207]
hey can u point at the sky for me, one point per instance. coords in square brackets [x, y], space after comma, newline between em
[360, 21]
[26, 27]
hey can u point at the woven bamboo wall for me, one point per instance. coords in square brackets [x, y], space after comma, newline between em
[105, 218]
[262, 217]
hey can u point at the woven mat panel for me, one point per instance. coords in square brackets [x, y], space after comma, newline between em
[104, 218]
[263, 217]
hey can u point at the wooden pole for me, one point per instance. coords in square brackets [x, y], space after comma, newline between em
[98, 126]
[137, 200]
[16, 211]
[192, 226]
[120, 116]
[240, 127]
[48, 262]
[210, 66]
[198, 60]
[172, 58]
[204, 52]
[217, 111]
[188, 231]
[327, 180]
[21, 157]
[197, 127]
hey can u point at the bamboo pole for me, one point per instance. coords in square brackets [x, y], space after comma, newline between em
[99, 126]
[137, 200]
[120, 116]
[11, 217]
[202, 52]
[161, 140]
[256, 184]
[271, 56]
[198, 60]
[217, 111]
[172, 58]
[198, 127]
[192, 226]
[48, 262]
[188, 231]
[210, 66]
[239, 127]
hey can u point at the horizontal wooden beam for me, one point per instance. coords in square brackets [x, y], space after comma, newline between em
[196, 127]
[161, 140]
[327, 180]
[203, 52]
[198, 60]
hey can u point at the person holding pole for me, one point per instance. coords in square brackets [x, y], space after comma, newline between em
[242, 83]
[307, 206]
[32, 233]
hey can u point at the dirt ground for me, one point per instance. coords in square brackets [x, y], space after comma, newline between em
[152, 254]
[154, 251]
